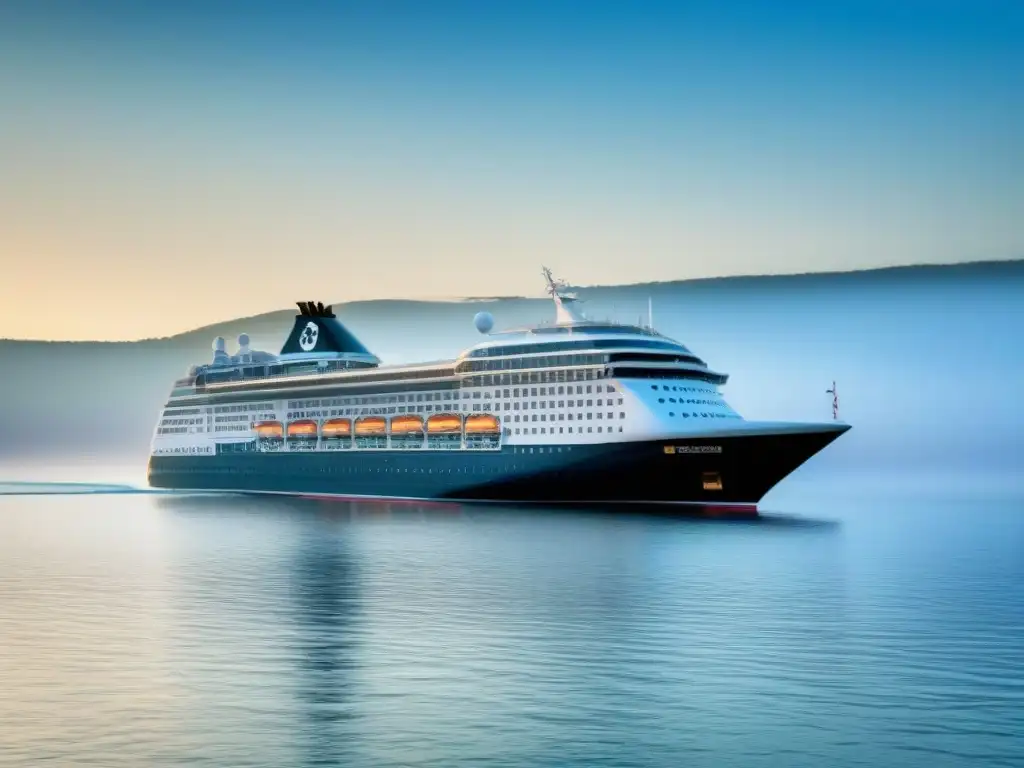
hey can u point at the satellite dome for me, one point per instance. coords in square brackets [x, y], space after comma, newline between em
[484, 321]
[218, 344]
[243, 339]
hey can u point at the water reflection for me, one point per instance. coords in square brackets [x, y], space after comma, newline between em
[325, 587]
[181, 630]
[476, 630]
[300, 598]
[370, 509]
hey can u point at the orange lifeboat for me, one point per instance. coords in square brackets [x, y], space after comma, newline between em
[302, 430]
[482, 423]
[444, 423]
[406, 431]
[406, 425]
[371, 425]
[269, 430]
[336, 429]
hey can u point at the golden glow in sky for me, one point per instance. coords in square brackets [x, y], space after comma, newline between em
[246, 163]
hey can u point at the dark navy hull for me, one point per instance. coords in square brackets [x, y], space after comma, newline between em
[736, 470]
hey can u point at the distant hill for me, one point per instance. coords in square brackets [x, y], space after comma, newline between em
[927, 358]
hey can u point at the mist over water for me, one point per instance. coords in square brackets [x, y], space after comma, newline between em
[871, 616]
[927, 361]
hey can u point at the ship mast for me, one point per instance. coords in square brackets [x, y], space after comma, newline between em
[835, 400]
[566, 312]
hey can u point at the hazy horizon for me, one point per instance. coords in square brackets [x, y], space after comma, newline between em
[889, 341]
[537, 295]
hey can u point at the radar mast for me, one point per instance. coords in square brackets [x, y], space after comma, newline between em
[566, 309]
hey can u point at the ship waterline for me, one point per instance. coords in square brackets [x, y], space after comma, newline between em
[575, 411]
[722, 470]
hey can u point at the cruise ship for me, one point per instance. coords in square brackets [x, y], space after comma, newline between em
[570, 411]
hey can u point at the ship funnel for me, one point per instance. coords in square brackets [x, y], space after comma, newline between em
[317, 330]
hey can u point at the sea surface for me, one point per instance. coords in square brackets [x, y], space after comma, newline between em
[852, 624]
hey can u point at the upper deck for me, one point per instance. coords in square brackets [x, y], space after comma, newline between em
[320, 352]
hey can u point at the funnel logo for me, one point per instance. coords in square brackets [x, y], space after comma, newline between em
[308, 337]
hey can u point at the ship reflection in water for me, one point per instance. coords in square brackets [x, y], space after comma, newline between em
[179, 630]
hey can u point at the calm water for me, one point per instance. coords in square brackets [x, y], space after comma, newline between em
[850, 631]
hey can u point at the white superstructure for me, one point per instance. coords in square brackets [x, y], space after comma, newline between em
[576, 381]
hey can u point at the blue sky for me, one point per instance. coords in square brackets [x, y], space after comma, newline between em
[435, 149]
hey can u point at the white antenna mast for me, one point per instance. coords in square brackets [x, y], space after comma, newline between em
[650, 313]
[835, 400]
[566, 313]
